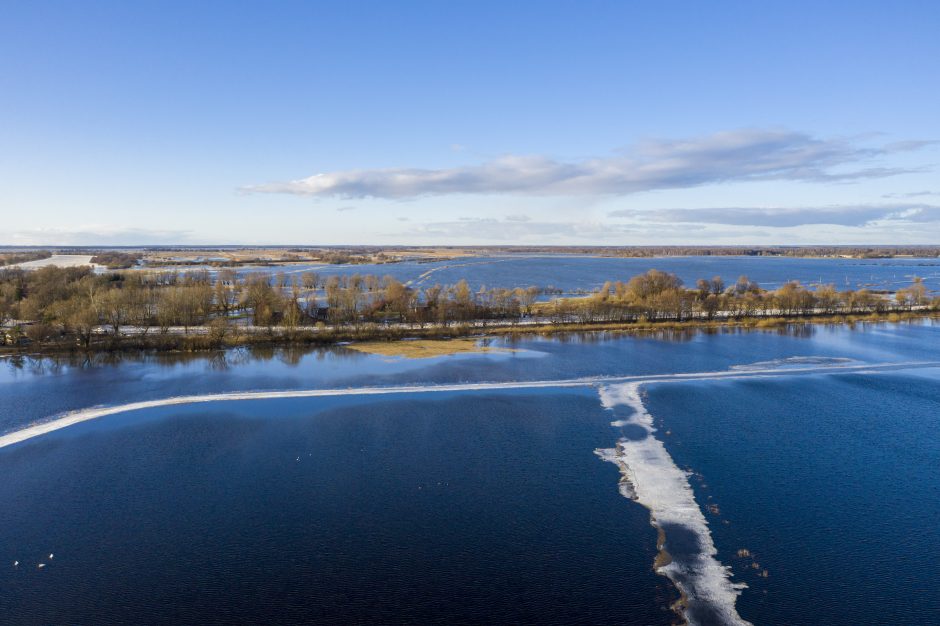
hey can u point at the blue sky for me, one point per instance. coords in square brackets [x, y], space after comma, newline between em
[610, 123]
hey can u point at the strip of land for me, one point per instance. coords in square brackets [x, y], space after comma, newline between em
[54, 309]
[426, 348]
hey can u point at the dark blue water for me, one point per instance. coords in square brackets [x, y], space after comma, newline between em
[572, 273]
[472, 507]
[832, 483]
[457, 509]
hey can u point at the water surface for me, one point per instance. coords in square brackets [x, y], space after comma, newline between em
[416, 510]
[831, 483]
[575, 273]
[471, 507]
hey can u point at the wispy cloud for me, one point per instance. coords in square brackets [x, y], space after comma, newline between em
[846, 224]
[98, 236]
[840, 215]
[740, 155]
[519, 231]
[912, 194]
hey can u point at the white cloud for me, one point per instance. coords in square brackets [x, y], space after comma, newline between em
[911, 194]
[741, 155]
[516, 231]
[783, 217]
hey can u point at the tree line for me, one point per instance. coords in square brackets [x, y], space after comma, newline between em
[53, 303]
[661, 296]
[12, 258]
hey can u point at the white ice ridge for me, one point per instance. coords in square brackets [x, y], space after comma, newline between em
[652, 478]
[84, 415]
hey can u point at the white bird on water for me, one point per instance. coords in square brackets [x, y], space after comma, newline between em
[42, 565]
[16, 563]
[50, 556]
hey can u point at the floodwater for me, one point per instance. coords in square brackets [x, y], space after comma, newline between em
[483, 504]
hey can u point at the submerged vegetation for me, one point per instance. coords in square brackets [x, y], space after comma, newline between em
[78, 308]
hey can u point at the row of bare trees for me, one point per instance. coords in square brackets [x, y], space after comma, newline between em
[54, 301]
[657, 296]
[78, 301]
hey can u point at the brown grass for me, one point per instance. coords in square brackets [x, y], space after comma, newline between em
[424, 348]
[663, 558]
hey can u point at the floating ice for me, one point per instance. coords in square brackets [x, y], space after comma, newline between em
[650, 477]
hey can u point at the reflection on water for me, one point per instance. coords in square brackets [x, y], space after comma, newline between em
[291, 355]
[298, 355]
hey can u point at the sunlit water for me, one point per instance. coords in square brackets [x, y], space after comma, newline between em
[831, 483]
[472, 506]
